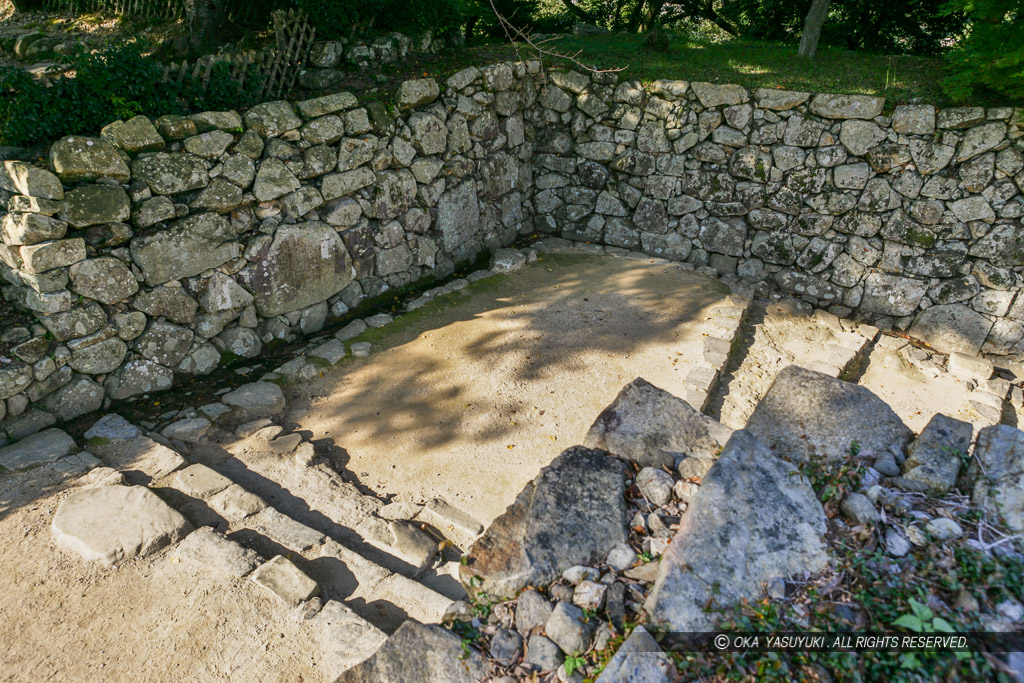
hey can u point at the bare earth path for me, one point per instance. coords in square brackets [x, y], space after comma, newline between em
[472, 401]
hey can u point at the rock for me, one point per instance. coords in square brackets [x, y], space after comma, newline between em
[952, 327]
[896, 544]
[505, 645]
[170, 301]
[572, 513]
[271, 119]
[31, 228]
[210, 145]
[164, 343]
[655, 485]
[860, 136]
[235, 503]
[589, 595]
[621, 557]
[891, 294]
[711, 95]
[416, 652]
[568, 629]
[543, 653]
[345, 638]
[251, 401]
[138, 377]
[219, 196]
[39, 258]
[22, 178]
[78, 159]
[969, 367]
[458, 215]
[507, 260]
[416, 93]
[808, 415]
[199, 481]
[754, 519]
[213, 551]
[186, 248]
[112, 427]
[171, 173]
[858, 508]
[76, 398]
[274, 180]
[532, 611]
[105, 279]
[914, 119]
[42, 447]
[189, 430]
[137, 134]
[638, 659]
[304, 265]
[935, 457]
[114, 523]
[99, 358]
[996, 474]
[944, 529]
[846, 106]
[282, 578]
[647, 425]
[153, 211]
[95, 204]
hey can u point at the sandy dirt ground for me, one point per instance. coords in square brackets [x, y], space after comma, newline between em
[154, 619]
[470, 402]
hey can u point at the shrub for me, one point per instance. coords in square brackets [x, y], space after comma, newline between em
[356, 18]
[991, 55]
[116, 83]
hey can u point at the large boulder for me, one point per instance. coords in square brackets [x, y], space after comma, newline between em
[649, 425]
[458, 215]
[305, 264]
[105, 279]
[952, 328]
[808, 415]
[571, 514]
[77, 159]
[417, 652]
[186, 248]
[24, 179]
[270, 119]
[138, 376]
[416, 93]
[114, 523]
[754, 519]
[42, 447]
[935, 457]
[996, 474]
[171, 173]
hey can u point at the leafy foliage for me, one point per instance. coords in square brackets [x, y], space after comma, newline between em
[991, 56]
[347, 18]
[117, 83]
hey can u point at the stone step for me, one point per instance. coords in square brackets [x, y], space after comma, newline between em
[774, 336]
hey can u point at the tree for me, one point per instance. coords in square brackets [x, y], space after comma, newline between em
[812, 28]
[991, 55]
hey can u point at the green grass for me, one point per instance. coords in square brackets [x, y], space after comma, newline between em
[899, 78]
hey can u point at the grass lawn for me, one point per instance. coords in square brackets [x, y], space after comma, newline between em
[899, 78]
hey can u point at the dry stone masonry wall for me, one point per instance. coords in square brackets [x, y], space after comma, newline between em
[152, 252]
[161, 248]
[909, 219]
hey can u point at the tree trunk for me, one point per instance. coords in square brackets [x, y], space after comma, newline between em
[205, 21]
[652, 15]
[812, 28]
[579, 12]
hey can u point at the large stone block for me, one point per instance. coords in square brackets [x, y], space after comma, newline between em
[952, 327]
[172, 173]
[77, 159]
[304, 265]
[186, 248]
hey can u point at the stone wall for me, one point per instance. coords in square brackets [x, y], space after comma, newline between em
[910, 219]
[159, 249]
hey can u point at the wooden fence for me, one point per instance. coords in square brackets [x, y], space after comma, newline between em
[277, 68]
[163, 9]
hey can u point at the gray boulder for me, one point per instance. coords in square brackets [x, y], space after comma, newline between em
[251, 401]
[270, 119]
[305, 264]
[171, 173]
[996, 474]
[808, 415]
[416, 93]
[935, 457]
[648, 425]
[638, 660]
[417, 652]
[952, 327]
[78, 397]
[105, 279]
[46, 446]
[138, 376]
[753, 519]
[78, 159]
[186, 248]
[571, 514]
[114, 523]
